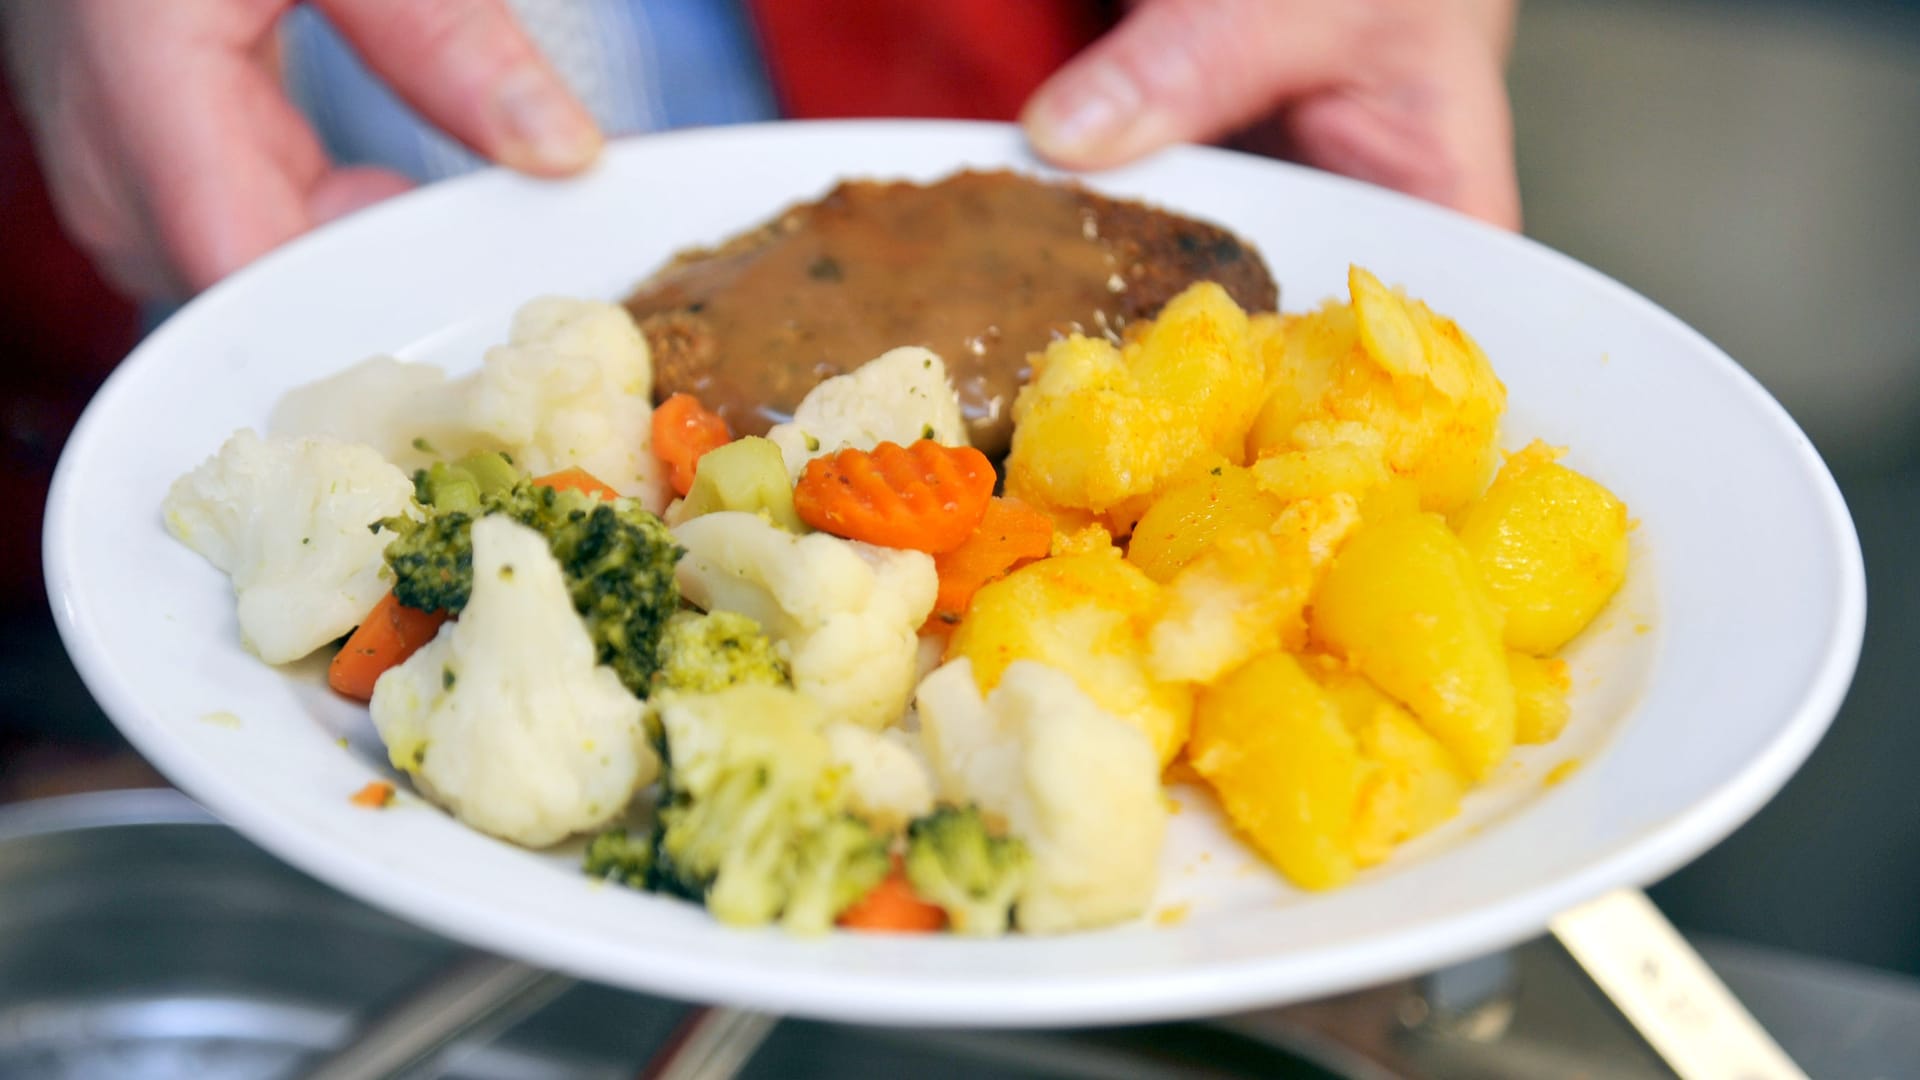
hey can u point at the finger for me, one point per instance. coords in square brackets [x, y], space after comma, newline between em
[1186, 71]
[1446, 138]
[342, 191]
[468, 68]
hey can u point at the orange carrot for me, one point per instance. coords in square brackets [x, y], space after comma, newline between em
[375, 796]
[577, 479]
[926, 497]
[892, 908]
[683, 430]
[389, 634]
[1010, 533]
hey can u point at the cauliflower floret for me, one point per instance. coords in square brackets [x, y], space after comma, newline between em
[902, 396]
[504, 718]
[570, 388]
[288, 520]
[1079, 786]
[885, 780]
[843, 615]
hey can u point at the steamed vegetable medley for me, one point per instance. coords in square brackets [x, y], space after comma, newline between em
[850, 676]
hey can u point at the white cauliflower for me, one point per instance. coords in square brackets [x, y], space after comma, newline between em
[1079, 786]
[288, 520]
[885, 780]
[844, 615]
[901, 396]
[504, 718]
[571, 387]
[383, 402]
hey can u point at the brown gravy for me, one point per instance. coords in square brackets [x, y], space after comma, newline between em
[982, 268]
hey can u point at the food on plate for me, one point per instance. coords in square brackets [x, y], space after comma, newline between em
[507, 717]
[288, 521]
[902, 395]
[847, 674]
[618, 561]
[1088, 615]
[843, 615]
[1103, 427]
[570, 388]
[1551, 546]
[756, 822]
[970, 875]
[983, 268]
[1043, 761]
[925, 497]
[1403, 604]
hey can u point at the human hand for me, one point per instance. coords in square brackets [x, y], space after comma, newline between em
[174, 156]
[1408, 94]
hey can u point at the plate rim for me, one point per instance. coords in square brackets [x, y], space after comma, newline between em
[892, 1000]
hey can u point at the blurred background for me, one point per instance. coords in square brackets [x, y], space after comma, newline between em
[1753, 166]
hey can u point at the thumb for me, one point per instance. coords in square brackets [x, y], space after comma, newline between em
[1184, 71]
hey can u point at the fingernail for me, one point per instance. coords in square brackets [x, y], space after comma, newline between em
[546, 129]
[1086, 114]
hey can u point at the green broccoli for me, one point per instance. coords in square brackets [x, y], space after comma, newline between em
[618, 561]
[974, 876]
[459, 486]
[703, 653]
[755, 823]
[620, 857]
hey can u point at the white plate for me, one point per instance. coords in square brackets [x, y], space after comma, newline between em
[1697, 693]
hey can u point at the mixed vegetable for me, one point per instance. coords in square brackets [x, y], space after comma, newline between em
[846, 674]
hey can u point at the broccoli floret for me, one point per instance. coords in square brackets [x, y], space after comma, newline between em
[460, 485]
[953, 861]
[755, 823]
[620, 857]
[618, 561]
[704, 653]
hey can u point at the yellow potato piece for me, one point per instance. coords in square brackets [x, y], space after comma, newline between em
[1274, 748]
[1551, 546]
[1242, 596]
[1389, 366]
[1540, 690]
[1411, 783]
[1101, 427]
[1086, 615]
[1403, 604]
[1211, 499]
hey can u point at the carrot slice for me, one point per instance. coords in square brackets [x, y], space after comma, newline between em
[1010, 533]
[389, 634]
[375, 796]
[577, 479]
[892, 908]
[926, 497]
[683, 430]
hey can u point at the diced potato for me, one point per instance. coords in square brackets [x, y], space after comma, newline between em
[1210, 499]
[1318, 527]
[1088, 616]
[1540, 689]
[1551, 546]
[1242, 596]
[1411, 783]
[1274, 748]
[1099, 427]
[1390, 364]
[1404, 605]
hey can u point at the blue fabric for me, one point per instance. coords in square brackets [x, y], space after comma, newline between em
[639, 65]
